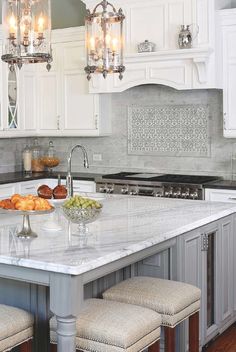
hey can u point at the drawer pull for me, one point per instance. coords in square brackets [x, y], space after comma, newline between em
[232, 198]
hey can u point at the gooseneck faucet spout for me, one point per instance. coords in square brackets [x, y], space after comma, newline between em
[69, 179]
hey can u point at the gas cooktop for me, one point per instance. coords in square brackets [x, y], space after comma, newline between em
[164, 178]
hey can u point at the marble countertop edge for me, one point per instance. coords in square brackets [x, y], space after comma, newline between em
[81, 268]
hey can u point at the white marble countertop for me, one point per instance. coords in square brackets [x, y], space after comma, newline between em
[125, 226]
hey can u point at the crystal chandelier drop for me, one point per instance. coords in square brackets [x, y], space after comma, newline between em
[104, 40]
[26, 32]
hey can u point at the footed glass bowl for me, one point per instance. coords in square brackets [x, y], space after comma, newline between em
[81, 216]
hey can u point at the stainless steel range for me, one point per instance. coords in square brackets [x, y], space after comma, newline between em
[154, 185]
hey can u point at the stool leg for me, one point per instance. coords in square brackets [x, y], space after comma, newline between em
[155, 347]
[194, 333]
[169, 339]
[26, 346]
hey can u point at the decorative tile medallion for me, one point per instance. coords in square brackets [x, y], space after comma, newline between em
[174, 130]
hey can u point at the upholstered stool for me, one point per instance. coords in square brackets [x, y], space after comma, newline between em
[105, 326]
[175, 301]
[16, 329]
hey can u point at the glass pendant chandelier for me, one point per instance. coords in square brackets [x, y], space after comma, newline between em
[104, 40]
[26, 32]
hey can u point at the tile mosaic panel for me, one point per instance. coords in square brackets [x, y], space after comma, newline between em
[174, 130]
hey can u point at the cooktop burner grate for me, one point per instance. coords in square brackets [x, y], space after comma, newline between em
[164, 178]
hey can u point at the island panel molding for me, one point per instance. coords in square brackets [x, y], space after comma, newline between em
[174, 130]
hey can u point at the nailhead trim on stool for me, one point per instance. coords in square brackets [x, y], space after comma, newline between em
[105, 326]
[175, 301]
[16, 329]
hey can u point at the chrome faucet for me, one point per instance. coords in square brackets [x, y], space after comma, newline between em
[69, 178]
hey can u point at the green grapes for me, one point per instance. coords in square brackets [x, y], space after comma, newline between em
[82, 203]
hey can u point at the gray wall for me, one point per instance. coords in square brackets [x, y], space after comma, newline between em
[65, 13]
[114, 148]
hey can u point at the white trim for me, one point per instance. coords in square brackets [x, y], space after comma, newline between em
[179, 54]
[68, 34]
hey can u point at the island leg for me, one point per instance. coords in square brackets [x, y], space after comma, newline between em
[66, 300]
[66, 333]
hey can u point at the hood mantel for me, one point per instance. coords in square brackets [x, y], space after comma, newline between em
[173, 68]
[159, 21]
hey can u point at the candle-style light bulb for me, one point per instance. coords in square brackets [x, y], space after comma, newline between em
[108, 40]
[12, 25]
[114, 45]
[41, 22]
[92, 43]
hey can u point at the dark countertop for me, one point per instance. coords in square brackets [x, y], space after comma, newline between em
[224, 184]
[20, 177]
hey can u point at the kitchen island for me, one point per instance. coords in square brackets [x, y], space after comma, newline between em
[128, 231]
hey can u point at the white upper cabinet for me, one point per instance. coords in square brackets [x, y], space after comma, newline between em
[49, 95]
[227, 64]
[56, 103]
[80, 109]
[159, 21]
[65, 107]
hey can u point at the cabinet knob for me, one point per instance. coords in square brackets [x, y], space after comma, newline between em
[96, 121]
[58, 122]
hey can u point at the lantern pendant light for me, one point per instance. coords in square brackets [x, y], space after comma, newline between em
[104, 40]
[26, 32]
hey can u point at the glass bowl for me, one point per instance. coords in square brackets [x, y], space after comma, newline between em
[81, 216]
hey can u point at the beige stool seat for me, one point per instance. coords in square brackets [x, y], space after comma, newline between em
[105, 326]
[175, 301]
[16, 327]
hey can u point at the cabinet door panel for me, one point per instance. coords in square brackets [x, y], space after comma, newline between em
[74, 56]
[79, 105]
[28, 101]
[8, 190]
[48, 101]
[159, 21]
[84, 186]
[227, 270]
[220, 195]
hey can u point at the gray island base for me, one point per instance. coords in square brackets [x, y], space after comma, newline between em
[133, 236]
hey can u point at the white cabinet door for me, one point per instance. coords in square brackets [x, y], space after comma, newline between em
[229, 80]
[49, 95]
[10, 97]
[220, 195]
[7, 190]
[28, 98]
[80, 107]
[159, 21]
[29, 187]
[84, 186]
[48, 102]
